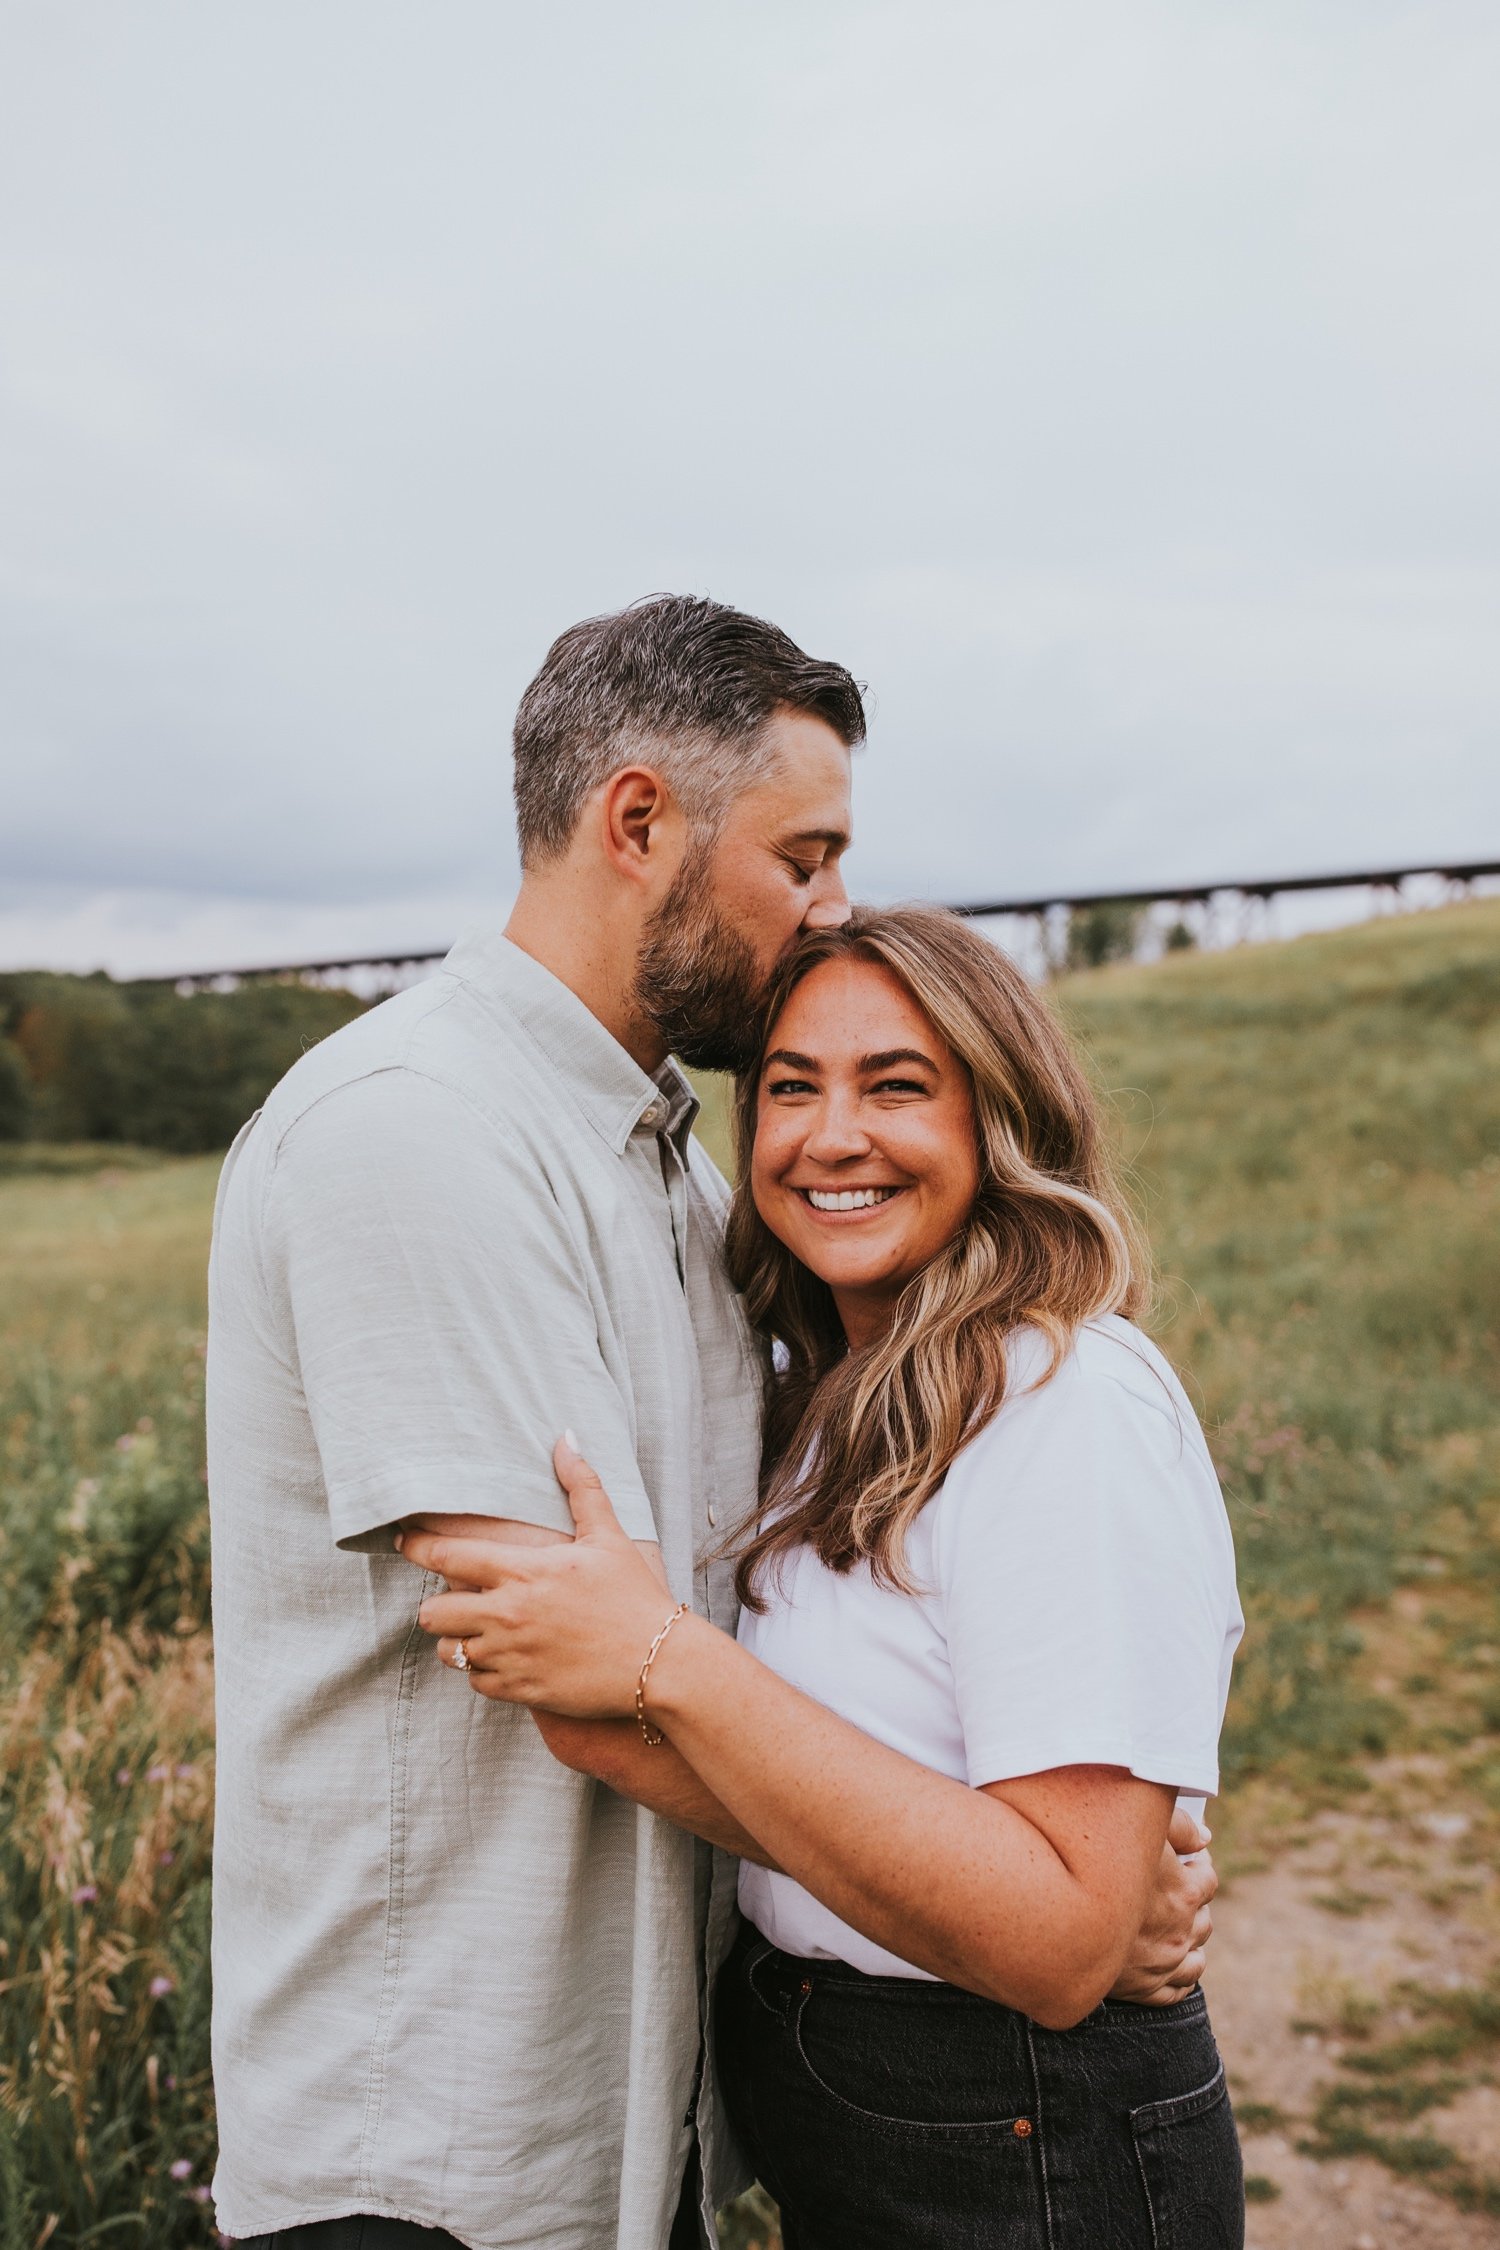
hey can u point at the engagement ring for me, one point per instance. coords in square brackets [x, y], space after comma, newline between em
[461, 1658]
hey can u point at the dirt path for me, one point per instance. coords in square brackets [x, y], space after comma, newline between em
[1351, 1960]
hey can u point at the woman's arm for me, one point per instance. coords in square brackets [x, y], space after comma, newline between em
[1029, 1892]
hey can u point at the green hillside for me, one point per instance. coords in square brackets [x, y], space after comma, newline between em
[1314, 1130]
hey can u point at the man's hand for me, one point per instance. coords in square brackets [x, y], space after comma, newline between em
[1167, 1958]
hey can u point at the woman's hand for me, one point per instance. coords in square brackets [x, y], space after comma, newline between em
[563, 1627]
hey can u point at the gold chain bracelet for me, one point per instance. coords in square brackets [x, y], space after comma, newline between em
[650, 1734]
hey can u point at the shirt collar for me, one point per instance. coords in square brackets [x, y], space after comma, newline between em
[609, 1086]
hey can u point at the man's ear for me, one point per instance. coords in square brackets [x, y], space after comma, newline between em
[639, 813]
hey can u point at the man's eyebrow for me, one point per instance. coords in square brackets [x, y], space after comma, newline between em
[890, 1056]
[835, 839]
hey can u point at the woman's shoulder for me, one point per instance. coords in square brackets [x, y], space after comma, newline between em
[1112, 1388]
[1105, 1355]
[1106, 1454]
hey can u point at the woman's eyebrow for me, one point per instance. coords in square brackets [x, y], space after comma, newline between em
[890, 1056]
[791, 1058]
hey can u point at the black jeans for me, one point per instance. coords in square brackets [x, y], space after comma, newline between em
[886, 2113]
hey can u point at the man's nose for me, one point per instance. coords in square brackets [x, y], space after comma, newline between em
[829, 908]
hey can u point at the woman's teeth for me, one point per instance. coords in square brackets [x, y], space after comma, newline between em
[849, 1199]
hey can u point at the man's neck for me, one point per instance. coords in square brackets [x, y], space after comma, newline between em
[586, 949]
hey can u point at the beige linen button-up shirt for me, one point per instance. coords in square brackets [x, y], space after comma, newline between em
[454, 1982]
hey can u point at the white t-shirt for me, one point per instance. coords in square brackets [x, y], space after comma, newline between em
[1077, 1607]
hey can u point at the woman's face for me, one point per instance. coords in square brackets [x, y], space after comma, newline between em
[865, 1159]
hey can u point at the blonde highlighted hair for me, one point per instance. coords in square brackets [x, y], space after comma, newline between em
[857, 1442]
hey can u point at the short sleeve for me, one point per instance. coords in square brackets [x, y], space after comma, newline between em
[444, 1330]
[1087, 1579]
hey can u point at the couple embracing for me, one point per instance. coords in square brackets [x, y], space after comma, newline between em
[706, 1680]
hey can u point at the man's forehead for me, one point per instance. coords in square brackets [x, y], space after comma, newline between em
[806, 792]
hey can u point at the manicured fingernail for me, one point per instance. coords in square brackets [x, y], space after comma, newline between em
[400, 1541]
[571, 1442]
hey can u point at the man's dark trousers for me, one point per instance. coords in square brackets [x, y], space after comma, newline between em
[401, 2234]
[353, 2234]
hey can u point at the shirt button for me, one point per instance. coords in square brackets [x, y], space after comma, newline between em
[654, 1115]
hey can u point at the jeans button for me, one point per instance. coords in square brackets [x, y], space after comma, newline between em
[1022, 2128]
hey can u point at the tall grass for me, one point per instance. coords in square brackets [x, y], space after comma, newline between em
[106, 2115]
[1315, 1132]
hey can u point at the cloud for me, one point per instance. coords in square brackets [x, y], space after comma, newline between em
[1111, 388]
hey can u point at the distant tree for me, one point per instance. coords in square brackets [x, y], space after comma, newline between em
[137, 1062]
[1108, 932]
[15, 1094]
[1179, 938]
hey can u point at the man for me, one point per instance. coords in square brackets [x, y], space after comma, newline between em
[460, 1985]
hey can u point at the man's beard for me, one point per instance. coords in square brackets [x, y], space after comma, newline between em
[697, 983]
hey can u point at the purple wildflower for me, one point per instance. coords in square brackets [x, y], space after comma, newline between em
[85, 1894]
[123, 1777]
[160, 1987]
[181, 2168]
[158, 1773]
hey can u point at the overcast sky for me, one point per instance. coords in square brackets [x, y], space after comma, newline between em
[1112, 385]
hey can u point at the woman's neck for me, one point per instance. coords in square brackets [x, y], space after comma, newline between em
[865, 1315]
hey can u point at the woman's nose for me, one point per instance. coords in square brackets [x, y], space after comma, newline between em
[836, 1135]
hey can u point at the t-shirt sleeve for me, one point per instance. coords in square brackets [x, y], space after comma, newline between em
[444, 1329]
[1087, 1578]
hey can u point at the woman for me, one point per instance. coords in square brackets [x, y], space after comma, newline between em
[989, 1613]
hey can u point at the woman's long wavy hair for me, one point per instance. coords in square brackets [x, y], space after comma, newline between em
[857, 1442]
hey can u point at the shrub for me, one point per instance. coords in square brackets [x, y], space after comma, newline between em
[143, 1063]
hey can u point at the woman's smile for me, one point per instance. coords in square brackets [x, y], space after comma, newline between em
[846, 1201]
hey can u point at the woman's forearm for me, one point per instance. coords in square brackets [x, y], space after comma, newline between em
[654, 1775]
[942, 1875]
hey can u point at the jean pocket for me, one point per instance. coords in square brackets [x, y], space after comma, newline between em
[1189, 2157]
[906, 2072]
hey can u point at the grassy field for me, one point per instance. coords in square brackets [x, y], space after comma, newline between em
[1314, 1130]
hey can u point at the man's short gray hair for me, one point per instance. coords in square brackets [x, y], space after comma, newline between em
[675, 682]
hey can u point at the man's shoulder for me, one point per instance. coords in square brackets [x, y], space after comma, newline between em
[426, 1044]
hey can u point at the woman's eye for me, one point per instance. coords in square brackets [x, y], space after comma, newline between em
[901, 1086]
[788, 1086]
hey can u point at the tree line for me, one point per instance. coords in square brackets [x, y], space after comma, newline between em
[89, 1059]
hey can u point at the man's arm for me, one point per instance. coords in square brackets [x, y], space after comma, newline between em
[440, 1307]
[1167, 1957]
[612, 1750]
